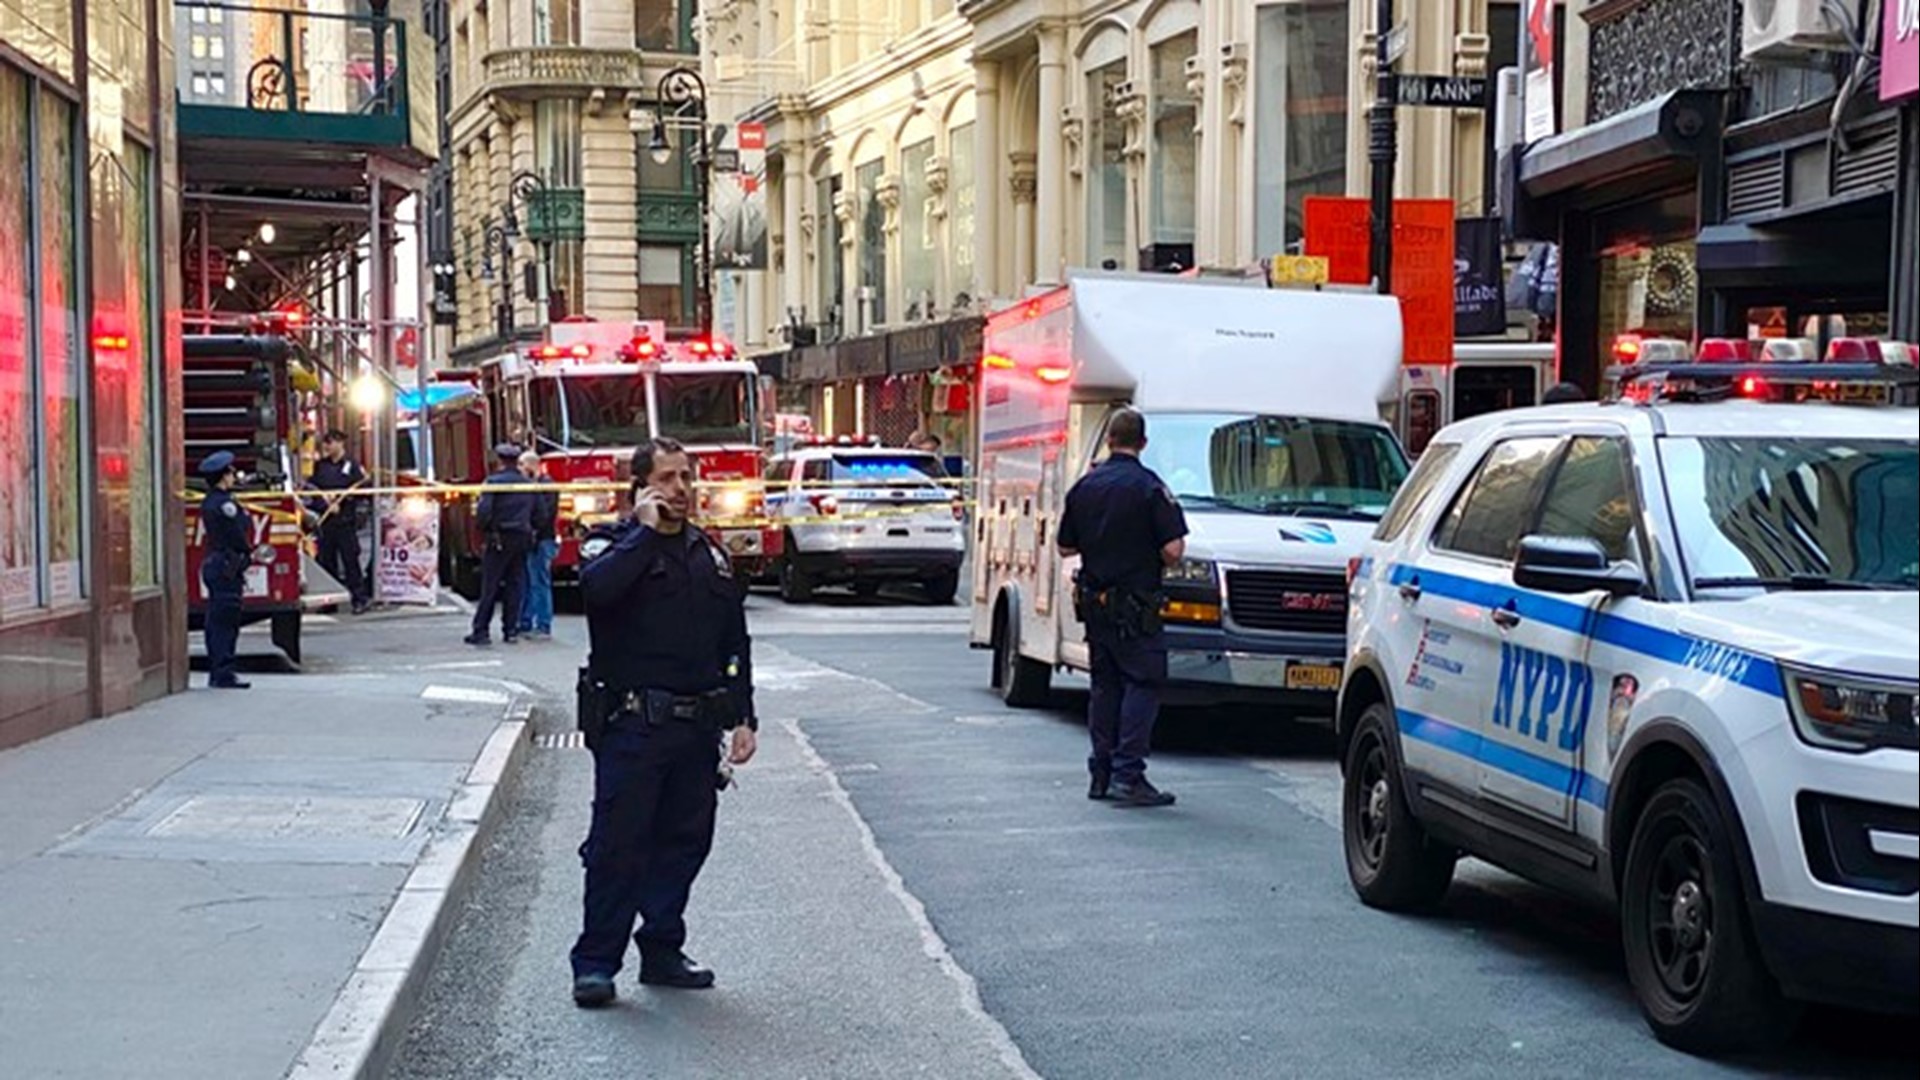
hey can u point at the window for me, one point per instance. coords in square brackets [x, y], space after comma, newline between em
[1494, 511]
[664, 291]
[873, 244]
[1175, 150]
[656, 25]
[217, 48]
[707, 408]
[1414, 493]
[556, 22]
[1589, 496]
[19, 463]
[827, 236]
[557, 160]
[143, 369]
[960, 193]
[1106, 168]
[61, 363]
[1301, 57]
[1262, 464]
[917, 245]
[814, 470]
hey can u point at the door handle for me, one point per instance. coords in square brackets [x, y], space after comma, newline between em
[1505, 618]
[1410, 591]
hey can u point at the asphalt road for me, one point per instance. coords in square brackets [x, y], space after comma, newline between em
[910, 881]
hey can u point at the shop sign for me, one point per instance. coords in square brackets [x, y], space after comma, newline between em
[1340, 229]
[916, 348]
[1479, 295]
[1899, 49]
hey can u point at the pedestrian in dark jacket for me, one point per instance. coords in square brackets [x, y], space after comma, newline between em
[536, 613]
[506, 523]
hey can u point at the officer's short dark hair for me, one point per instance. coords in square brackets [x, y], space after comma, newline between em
[643, 456]
[1560, 393]
[1127, 430]
[334, 435]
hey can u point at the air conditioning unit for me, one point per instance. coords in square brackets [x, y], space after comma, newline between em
[1789, 30]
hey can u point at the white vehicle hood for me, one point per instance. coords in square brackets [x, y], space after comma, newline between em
[1863, 633]
[1273, 540]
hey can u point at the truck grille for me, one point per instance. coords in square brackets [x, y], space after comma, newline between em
[1300, 602]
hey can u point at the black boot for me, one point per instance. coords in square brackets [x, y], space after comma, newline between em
[1141, 793]
[1098, 785]
[593, 991]
[675, 970]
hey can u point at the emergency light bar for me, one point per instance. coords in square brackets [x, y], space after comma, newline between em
[838, 440]
[1853, 383]
[577, 351]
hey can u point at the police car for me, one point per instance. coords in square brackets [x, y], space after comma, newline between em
[856, 513]
[1663, 652]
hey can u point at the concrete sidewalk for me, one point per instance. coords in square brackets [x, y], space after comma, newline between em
[239, 884]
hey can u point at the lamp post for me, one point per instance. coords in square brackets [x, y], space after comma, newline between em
[681, 104]
[521, 193]
[500, 237]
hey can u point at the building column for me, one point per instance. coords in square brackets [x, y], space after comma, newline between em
[793, 190]
[1022, 185]
[1050, 164]
[988, 182]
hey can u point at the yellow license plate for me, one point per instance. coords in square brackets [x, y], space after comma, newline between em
[1313, 677]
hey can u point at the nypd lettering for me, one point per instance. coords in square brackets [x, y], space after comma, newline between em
[1538, 691]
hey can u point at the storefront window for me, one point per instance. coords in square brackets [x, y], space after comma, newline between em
[917, 243]
[19, 463]
[1175, 152]
[960, 193]
[1648, 282]
[1301, 56]
[60, 359]
[1106, 167]
[143, 366]
[873, 244]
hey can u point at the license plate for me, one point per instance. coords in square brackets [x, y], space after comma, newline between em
[1313, 677]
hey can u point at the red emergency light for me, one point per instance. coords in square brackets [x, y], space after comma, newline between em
[1853, 351]
[997, 361]
[1052, 375]
[578, 351]
[640, 349]
[1725, 350]
[710, 348]
[1751, 386]
[1626, 348]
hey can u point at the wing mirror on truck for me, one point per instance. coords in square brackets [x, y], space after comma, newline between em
[1573, 564]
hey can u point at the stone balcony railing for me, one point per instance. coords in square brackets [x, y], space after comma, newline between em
[544, 69]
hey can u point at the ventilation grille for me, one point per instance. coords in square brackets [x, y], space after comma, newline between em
[1872, 163]
[1756, 187]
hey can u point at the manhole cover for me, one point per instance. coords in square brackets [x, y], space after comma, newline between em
[290, 817]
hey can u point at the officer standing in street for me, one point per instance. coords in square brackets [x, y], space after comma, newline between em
[506, 523]
[669, 673]
[1126, 527]
[224, 557]
[340, 517]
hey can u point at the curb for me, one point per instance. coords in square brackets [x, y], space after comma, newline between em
[370, 1015]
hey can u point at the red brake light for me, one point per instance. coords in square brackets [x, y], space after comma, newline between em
[1353, 570]
[1853, 351]
[1724, 350]
[1752, 386]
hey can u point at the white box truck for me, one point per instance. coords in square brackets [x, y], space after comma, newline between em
[1264, 417]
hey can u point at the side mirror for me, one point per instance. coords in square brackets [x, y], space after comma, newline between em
[1573, 564]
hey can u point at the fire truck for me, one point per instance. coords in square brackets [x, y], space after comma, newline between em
[239, 396]
[583, 399]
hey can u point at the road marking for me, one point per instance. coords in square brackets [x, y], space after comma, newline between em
[930, 941]
[473, 695]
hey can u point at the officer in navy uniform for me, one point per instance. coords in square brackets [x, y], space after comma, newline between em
[225, 555]
[1125, 525]
[339, 553]
[506, 523]
[670, 659]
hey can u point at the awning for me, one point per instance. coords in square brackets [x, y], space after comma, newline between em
[1677, 128]
[1825, 252]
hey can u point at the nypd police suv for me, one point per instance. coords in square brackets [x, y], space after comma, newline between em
[856, 513]
[1662, 651]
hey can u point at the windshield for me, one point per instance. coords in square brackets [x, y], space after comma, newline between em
[708, 408]
[611, 410]
[896, 469]
[1772, 512]
[1275, 464]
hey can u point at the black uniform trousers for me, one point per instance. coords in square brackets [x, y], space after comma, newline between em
[222, 574]
[654, 798]
[503, 581]
[1125, 700]
[340, 556]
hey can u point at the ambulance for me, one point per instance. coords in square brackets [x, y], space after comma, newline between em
[1264, 412]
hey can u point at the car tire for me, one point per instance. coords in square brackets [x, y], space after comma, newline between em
[941, 590]
[1023, 683]
[795, 586]
[1690, 948]
[1391, 861]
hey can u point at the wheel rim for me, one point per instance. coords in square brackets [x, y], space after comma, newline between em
[1680, 915]
[1372, 797]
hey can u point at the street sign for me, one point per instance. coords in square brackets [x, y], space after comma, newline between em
[1396, 44]
[1297, 270]
[1442, 91]
[726, 159]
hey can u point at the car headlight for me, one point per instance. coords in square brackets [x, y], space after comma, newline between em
[1201, 572]
[588, 503]
[731, 501]
[1844, 712]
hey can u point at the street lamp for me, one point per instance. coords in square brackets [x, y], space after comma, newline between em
[521, 193]
[500, 237]
[681, 101]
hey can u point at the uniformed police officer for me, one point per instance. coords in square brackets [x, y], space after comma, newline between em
[506, 521]
[224, 558]
[670, 657]
[1125, 525]
[340, 516]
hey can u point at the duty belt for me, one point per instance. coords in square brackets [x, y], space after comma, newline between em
[659, 705]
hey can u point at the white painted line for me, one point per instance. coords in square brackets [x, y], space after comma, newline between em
[930, 941]
[452, 665]
[474, 695]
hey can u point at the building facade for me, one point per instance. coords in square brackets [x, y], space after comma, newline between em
[92, 602]
[1724, 174]
[557, 206]
[927, 161]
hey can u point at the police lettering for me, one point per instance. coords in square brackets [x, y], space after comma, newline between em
[1545, 686]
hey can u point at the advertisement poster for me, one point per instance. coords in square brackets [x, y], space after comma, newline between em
[407, 570]
[1536, 48]
[740, 205]
[1899, 49]
[1479, 294]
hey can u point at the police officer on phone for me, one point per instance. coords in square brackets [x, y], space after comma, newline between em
[669, 673]
[506, 521]
[1125, 526]
[224, 558]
